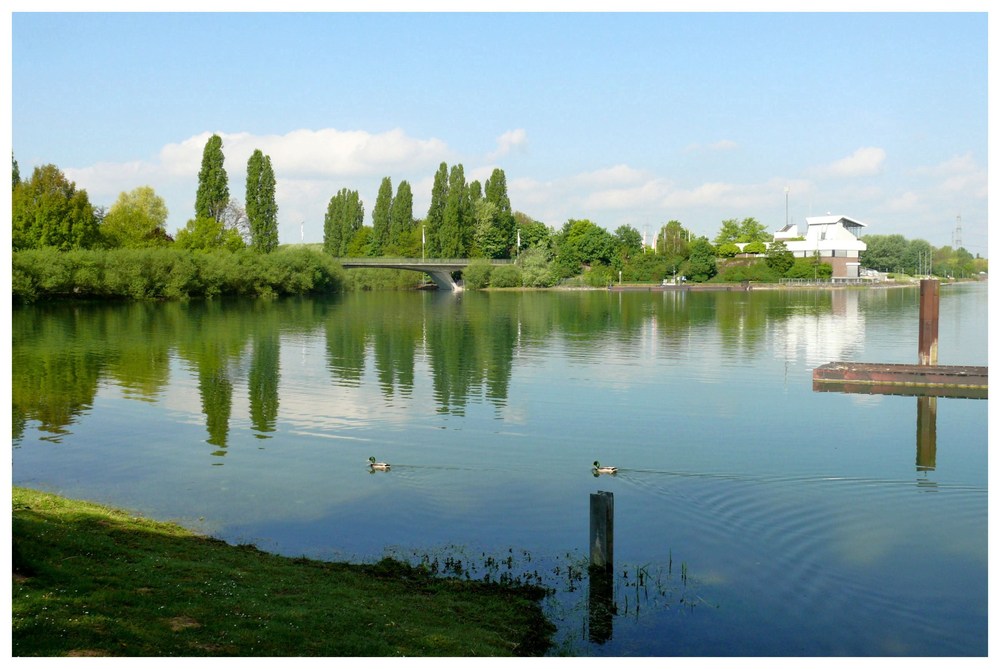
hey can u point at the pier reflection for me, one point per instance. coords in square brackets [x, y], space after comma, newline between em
[926, 433]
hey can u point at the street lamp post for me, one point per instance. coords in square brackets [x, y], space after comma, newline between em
[786, 206]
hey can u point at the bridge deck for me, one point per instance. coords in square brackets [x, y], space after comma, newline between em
[439, 269]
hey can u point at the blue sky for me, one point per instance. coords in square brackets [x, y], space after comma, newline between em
[630, 118]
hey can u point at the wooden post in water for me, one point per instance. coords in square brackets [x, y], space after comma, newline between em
[600, 602]
[602, 530]
[929, 301]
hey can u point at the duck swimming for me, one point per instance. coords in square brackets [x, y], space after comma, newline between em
[377, 465]
[598, 469]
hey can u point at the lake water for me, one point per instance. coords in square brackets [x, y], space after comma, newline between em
[753, 516]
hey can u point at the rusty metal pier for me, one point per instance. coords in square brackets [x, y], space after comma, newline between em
[924, 379]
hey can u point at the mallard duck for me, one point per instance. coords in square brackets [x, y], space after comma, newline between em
[377, 465]
[598, 469]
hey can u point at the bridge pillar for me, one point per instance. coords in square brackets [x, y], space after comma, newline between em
[443, 280]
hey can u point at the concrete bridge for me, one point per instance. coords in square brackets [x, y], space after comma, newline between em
[439, 269]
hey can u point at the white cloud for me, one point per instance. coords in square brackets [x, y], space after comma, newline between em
[510, 140]
[865, 161]
[314, 153]
[310, 165]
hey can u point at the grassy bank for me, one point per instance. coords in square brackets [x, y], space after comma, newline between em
[94, 581]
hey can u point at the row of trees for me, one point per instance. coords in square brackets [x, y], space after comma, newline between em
[221, 221]
[895, 253]
[48, 211]
[464, 220]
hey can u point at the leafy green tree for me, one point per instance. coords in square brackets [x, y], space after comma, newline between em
[779, 258]
[496, 225]
[488, 240]
[884, 253]
[672, 240]
[531, 232]
[382, 218]
[455, 234]
[137, 219]
[345, 216]
[205, 234]
[672, 244]
[752, 230]
[918, 257]
[729, 233]
[755, 247]
[956, 263]
[496, 192]
[213, 184]
[475, 192]
[435, 213]
[700, 265]
[333, 231]
[582, 242]
[261, 207]
[15, 172]
[648, 267]
[48, 210]
[362, 244]
[401, 224]
[628, 242]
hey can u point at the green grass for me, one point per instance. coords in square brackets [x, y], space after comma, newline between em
[94, 581]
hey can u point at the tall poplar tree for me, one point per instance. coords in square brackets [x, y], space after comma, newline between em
[401, 217]
[345, 216]
[435, 213]
[456, 229]
[333, 232]
[503, 218]
[354, 217]
[381, 218]
[261, 208]
[213, 184]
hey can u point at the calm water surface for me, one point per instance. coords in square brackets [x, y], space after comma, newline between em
[753, 516]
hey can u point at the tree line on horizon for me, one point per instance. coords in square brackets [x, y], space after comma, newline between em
[464, 220]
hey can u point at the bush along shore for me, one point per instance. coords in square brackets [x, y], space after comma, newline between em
[93, 581]
[169, 273]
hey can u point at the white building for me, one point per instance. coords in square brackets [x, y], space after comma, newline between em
[834, 237]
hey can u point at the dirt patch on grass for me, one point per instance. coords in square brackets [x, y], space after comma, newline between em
[182, 623]
[85, 652]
